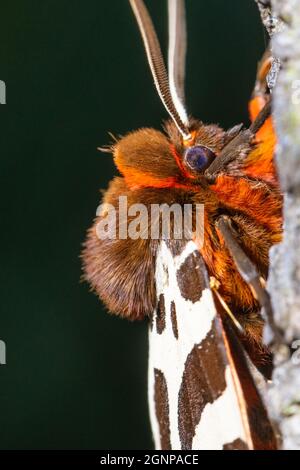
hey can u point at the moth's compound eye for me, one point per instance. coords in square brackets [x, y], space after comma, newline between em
[198, 158]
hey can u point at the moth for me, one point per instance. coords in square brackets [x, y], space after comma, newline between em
[204, 298]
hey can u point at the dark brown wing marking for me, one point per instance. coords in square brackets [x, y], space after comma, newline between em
[191, 286]
[174, 319]
[162, 408]
[161, 315]
[237, 444]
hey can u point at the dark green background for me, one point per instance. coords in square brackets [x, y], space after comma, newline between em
[76, 377]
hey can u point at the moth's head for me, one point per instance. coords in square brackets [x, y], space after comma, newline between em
[148, 157]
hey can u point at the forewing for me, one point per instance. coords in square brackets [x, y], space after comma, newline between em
[195, 398]
[250, 383]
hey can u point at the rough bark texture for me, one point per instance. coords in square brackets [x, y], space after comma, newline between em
[282, 20]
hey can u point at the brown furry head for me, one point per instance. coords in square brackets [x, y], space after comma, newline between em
[149, 158]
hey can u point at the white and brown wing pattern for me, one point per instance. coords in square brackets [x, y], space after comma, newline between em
[195, 397]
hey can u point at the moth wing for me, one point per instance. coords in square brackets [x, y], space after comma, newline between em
[196, 398]
[253, 387]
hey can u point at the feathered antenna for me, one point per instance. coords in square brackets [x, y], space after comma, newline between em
[169, 98]
[177, 54]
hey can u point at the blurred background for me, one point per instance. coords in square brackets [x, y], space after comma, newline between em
[76, 378]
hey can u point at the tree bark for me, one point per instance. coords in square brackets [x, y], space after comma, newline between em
[282, 20]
